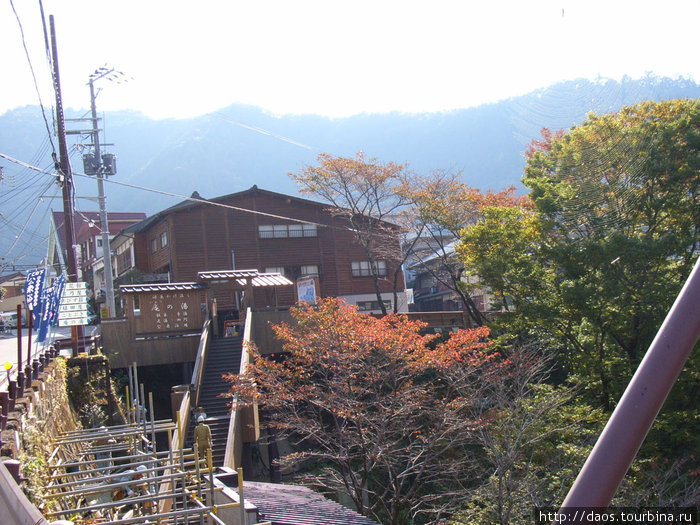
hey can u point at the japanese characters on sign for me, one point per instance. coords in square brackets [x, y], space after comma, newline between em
[33, 288]
[170, 311]
[74, 305]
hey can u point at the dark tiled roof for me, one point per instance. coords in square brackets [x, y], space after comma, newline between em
[296, 505]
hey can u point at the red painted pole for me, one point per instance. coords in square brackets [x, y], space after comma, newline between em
[30, 325]
[631, 420]
[20, 374]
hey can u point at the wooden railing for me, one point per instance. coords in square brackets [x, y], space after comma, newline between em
[243, 425]
[198, 369]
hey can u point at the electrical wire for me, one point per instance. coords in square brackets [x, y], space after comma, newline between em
[31, 68]
[183, 197]
[24, 226]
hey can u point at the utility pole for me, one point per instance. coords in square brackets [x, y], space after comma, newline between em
[65, 170]
[104, 225]
[101, 165]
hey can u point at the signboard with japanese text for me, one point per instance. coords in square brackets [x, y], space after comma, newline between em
[306, 290]
[167, 311]
[73, 308]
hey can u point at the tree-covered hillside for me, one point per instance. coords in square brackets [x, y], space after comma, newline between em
[238, 146]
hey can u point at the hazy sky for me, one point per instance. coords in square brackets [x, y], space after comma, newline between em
[337, 57]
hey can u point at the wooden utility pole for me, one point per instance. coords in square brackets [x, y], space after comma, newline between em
[64, 170]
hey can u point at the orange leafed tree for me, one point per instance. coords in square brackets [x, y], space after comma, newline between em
[442, 205]
[363, 191]
[376, 409]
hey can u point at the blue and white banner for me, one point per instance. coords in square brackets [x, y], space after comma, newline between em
[59, 285]
[45, 321]
[33, 288]
[49, 315]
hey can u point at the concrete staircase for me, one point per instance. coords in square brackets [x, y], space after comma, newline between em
[223, 356]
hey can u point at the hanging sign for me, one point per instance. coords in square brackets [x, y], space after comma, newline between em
[306, 290]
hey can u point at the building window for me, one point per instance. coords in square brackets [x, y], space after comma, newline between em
[154, 245]
[363, 268]
[368, 306]
[284, 231]
[292, 272]
[309, 269]
[163, 239]
[99, 242]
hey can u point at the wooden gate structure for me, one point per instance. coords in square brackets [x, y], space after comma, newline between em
[163, 321]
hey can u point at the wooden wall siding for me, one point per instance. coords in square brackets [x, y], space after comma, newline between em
[262, 334]
[218, 249]
[190, 244]
[141, 254]
[165, 312]
[122, 349]
[161, 257]
[203, 237]
[225, 299]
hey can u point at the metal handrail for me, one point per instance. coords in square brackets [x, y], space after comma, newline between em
[198, 369]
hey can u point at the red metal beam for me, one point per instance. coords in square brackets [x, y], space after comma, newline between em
[631, 420]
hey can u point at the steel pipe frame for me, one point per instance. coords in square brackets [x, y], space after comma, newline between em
[634, 415]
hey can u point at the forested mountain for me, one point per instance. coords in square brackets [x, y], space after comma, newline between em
[238, 146]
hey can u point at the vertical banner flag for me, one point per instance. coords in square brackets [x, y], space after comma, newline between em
[43, 327]
[49, 316]
[33, 289]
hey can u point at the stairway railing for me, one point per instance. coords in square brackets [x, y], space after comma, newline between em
[191, 399]
[198, 370]
[241, 419]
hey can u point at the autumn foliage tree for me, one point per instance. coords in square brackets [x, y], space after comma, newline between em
[441, 206]
[363, 191]
[377, 410]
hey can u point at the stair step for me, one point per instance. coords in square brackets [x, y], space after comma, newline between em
[223, 357]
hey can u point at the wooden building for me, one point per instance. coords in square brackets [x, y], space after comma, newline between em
[88, 241]
[267, 231]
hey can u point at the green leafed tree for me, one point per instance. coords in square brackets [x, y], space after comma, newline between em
[612, 236]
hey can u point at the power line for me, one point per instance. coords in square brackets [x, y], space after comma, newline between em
[31, 68]
[183, 197]
[26, 223]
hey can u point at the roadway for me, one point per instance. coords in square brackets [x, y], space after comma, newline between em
[8, 347]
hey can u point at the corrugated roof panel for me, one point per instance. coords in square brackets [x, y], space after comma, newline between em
[240, 276]
[160, 287]
[295, 505]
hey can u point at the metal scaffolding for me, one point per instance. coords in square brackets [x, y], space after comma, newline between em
[116, 474]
